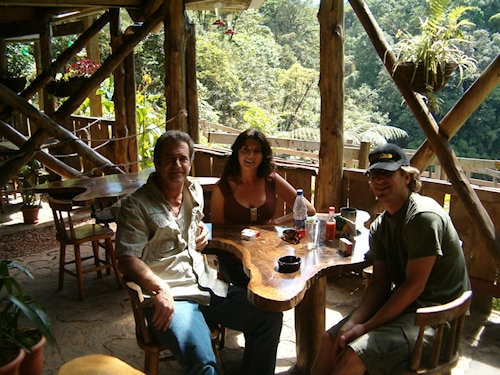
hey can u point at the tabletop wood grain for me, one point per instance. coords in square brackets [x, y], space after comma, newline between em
[269, 288]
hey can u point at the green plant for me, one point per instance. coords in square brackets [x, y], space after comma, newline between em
[14, 303]
[439, 44]
[30, 177]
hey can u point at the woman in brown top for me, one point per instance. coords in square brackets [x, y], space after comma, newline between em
[247, 193]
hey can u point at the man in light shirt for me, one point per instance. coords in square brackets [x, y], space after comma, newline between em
[160, 235]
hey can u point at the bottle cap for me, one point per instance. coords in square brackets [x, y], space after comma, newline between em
[300, 192]
[331, 208]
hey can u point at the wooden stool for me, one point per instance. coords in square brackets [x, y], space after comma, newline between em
[97, 364]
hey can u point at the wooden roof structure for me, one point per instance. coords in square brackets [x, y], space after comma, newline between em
[44, 18]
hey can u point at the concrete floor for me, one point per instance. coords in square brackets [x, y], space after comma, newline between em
[103, 322]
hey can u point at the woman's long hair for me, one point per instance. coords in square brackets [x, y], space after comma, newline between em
[232, 168]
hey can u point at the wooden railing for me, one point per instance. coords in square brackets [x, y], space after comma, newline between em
[475, 169]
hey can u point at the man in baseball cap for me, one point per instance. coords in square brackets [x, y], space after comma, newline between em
[389, 157]
[413, 244]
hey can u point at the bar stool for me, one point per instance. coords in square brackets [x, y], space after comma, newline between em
[69, 234]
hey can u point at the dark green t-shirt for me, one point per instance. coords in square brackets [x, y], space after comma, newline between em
[421, 228]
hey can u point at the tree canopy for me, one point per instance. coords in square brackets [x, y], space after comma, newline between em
[266, 74]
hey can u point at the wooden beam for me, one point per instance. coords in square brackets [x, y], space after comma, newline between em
[331, 86]
[46, 159]
[74, 3]
[119, 96]
[42, 79]
[482, 223]
[192, 86]
[51, 127]
[457, 116]
[175, 66]
[14, 164]
[110, 64]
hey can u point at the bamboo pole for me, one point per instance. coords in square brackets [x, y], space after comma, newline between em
[175, 66]
[457, 116]
[331, 86]
[130, 108]
[481, 221]
[192, 89]
[119, 95]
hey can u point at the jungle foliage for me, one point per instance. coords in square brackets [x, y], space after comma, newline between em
[266, 74]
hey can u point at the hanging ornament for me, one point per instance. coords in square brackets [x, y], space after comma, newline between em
[229, 30]
[218, 20]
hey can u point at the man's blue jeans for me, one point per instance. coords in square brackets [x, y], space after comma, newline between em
[189, 336]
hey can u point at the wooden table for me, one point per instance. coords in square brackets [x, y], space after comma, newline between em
[84, 191]
[305, 289]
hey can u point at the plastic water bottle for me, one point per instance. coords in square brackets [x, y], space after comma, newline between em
[300, 212]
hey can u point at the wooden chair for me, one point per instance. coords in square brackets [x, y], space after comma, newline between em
[100, 210]
[448, 321]
[69, 234]
[145, 339]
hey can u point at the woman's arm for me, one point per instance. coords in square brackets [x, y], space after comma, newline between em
[217, 206]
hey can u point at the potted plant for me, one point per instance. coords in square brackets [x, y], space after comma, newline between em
[429, 58]
[14, 70]
[32, 202]
[75, 74]
[14, 304]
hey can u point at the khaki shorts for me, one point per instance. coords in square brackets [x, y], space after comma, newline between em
[386, 349]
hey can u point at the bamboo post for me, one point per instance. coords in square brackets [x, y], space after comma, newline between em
[175, 66]
[192, 89]
[331, 86]
[119, 96]
[364, 151]
[131, 131]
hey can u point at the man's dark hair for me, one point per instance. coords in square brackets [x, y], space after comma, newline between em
[173, 137]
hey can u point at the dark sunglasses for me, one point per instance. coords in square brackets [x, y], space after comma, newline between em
[291, 236]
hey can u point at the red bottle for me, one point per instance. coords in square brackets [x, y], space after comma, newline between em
[331, 225]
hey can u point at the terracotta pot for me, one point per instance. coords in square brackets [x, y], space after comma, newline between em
[32, 363]
[30, 214]
[12, 368]
[415, 75]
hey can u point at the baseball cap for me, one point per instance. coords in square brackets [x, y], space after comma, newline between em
[389, 157]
